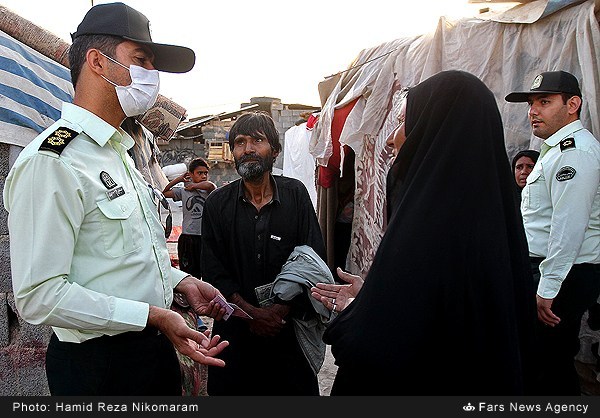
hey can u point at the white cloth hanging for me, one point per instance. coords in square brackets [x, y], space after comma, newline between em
[298, 161]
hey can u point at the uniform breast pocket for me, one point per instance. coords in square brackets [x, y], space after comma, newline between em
[120, 225]
[532, 191]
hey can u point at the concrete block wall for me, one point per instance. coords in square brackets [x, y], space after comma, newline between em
[284, 119]
[22, 345]
[182, 151]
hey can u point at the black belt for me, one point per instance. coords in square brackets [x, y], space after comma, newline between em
[585, 266]
[128, 335]
[150, 330]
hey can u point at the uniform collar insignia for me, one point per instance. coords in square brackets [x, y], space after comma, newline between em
[58, 140]
[567, 143]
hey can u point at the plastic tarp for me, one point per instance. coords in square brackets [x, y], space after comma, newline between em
[32, 90]
[297, 161]
[531, 11]
[505, 56]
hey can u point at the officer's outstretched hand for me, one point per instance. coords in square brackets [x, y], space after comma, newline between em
[198, 346]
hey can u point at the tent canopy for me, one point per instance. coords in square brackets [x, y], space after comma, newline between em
[563, 35]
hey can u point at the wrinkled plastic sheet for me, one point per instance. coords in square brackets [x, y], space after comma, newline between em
[505, 56]
[531, 11]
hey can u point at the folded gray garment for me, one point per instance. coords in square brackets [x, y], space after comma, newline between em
[303, 270]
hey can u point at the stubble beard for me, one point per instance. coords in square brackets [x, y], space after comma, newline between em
[253, 170]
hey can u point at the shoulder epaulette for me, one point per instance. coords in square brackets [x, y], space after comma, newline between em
[567, 143]
[58, 140]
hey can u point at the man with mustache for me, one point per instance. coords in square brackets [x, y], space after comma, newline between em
[561, 213]
[249, 228]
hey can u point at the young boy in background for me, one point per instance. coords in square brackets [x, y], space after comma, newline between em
[192, 196]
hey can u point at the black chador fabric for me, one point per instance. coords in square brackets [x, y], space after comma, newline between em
[448, 305]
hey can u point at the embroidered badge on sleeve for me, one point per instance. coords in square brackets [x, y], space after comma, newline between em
[565, 173]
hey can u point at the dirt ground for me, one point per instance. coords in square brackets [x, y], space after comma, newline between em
[327, 373]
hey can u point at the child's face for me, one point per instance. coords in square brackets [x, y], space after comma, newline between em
[199, 174]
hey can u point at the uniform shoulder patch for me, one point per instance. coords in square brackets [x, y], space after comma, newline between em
[567, 143]
[58, 140]
[565, 173]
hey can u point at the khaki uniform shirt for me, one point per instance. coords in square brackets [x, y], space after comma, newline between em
[561, 205]
[88, 252]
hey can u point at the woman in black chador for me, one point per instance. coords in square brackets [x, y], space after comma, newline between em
[448, 306]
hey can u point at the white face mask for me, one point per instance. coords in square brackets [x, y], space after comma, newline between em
[141, 94]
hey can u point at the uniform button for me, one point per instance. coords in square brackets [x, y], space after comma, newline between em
[258, 256]
[259, 237]
[255, 216]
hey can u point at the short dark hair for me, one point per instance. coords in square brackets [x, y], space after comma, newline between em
[197, 162]
[567, 96]
[80, 46]
[253, 124]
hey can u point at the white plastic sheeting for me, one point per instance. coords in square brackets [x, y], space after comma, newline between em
[530, 11]
[32, 90]
[297, 160]
[505, 56]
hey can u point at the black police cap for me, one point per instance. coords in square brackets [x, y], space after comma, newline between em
[550, 82]
[118, 19]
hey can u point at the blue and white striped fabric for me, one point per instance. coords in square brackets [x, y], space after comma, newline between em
[32, 89]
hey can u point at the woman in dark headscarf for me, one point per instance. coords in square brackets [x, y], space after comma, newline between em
[447, 307]
[522, 164]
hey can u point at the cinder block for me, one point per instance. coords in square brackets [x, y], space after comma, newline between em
[27, 335]
[5, 282]
[13, 153]
[22, 371]
[8, 155]
[3, 212]
[9, 379]
[31, 371]
[4, 322]
[4, 159]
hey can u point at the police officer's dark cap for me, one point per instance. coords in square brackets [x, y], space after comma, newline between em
[551, 82]
[118, 19]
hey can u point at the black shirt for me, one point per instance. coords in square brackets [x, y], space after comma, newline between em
[243, 248]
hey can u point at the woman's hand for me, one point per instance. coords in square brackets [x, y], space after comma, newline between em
[337, 296]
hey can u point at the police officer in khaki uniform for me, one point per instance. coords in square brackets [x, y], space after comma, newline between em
[561, 213]
[88, 252]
